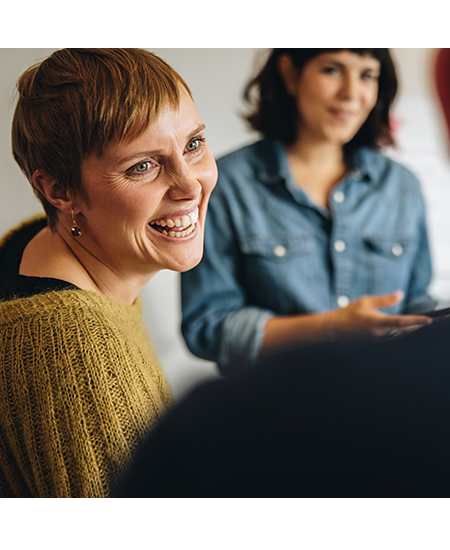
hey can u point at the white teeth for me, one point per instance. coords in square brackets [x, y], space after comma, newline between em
[188, 222]
[194, 217]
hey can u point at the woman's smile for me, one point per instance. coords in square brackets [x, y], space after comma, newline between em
[178, 226]
[341, 114]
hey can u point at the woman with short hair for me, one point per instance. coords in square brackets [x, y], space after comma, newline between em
[112, 145]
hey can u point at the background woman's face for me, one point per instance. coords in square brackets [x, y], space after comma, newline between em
[335, 93]
[148, 197]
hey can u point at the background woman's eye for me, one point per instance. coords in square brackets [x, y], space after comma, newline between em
[370, 76]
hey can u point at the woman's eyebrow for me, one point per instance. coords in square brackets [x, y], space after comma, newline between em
[196, 131]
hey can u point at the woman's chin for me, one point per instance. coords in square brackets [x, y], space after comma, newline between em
[185, 259]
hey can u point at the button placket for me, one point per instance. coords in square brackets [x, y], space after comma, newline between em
[342, 261]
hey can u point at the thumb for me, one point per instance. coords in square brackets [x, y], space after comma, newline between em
[387, 300]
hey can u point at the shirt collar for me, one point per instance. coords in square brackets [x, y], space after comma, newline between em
[274, 167]
[366, 166]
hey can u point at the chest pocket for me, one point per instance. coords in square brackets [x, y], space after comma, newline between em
[277, 248]
[393, 248]
[389, 260]
[279, 271]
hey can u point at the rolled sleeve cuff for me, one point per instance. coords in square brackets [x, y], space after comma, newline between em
[242, 336]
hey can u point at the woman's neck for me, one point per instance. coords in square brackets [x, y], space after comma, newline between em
[49, 255]
[317, 168]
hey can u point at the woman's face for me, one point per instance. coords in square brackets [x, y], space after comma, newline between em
[147, 198]
[335, 93]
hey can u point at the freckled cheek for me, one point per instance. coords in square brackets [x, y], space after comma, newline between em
[133, 208]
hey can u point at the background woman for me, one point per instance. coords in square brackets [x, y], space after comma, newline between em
[115, 150]
[311, 230]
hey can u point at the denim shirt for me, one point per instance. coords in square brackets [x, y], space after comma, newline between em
[270, 250]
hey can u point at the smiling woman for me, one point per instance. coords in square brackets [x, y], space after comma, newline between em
[115, 150]
[311, 230]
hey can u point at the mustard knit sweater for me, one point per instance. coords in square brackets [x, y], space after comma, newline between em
[80, 388]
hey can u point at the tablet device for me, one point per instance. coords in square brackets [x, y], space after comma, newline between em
[437, 312]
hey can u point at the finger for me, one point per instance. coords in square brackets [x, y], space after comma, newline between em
[385, 300]
[407, 320]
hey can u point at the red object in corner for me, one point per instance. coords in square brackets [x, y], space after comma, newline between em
[442, 80]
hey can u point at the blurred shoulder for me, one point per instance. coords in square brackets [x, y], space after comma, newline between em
[247, 156]
[388, 174]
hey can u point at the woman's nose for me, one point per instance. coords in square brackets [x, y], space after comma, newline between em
[349, 87]
[184, 185]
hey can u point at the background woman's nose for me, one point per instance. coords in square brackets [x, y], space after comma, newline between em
[349, 87]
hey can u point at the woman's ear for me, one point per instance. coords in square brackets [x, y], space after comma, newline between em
[288, 72]
[53, 191]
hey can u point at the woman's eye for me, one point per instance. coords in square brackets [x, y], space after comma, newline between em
[194, 145]
[370, 76]
[141, 167]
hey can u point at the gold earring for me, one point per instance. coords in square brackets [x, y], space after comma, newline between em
[75, 230]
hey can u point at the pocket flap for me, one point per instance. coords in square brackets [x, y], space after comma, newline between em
[277, 247]
[391, 247]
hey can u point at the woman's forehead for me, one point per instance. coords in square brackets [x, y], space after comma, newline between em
[348, 56]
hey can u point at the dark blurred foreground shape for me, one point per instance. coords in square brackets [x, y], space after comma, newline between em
[338, 420]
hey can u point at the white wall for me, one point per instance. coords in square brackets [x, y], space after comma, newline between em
[424, 148]
[216, 78]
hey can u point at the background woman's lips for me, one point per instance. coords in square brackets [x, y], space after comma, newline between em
[341, 113]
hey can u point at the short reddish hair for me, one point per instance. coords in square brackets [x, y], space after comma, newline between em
[77, 101]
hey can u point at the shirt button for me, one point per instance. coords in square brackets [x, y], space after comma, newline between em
[340, 246]
[279, 251]
[343, 301]
[338, 196]
[397, 250]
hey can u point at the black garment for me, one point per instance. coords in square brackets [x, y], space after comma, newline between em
[370, 419]
[13, 285]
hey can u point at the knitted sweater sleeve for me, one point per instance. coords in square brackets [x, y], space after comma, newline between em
[80, 387]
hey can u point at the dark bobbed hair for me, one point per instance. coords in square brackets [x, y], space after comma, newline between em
[273, 111]
[77, 101]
